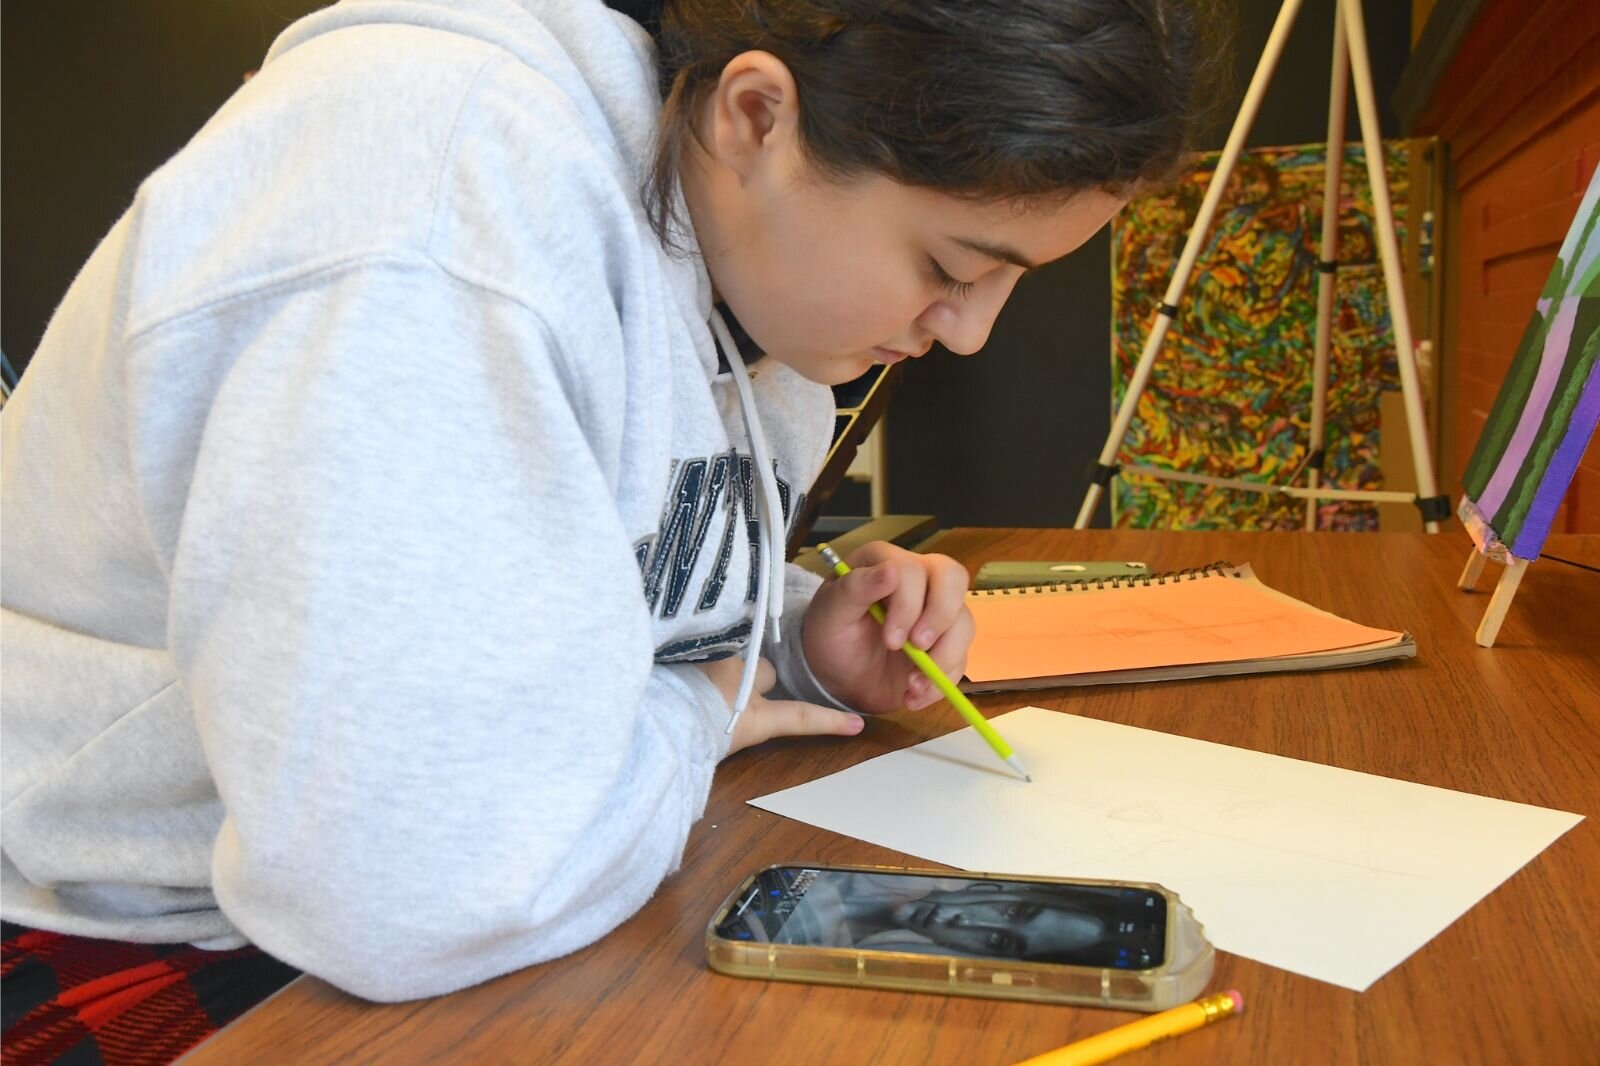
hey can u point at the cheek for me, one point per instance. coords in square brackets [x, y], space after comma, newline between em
[838, 280]
[857, 262]
[837, 310]
[873, 300]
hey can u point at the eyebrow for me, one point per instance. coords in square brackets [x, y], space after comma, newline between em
[999, 252]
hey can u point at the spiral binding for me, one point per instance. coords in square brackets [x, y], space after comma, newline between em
[1220, 568]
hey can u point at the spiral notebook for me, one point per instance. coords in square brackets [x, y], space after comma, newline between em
[1216, 619]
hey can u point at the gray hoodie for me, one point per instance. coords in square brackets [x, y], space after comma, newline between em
[364, 503]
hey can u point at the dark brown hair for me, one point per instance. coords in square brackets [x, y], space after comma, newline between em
[1019, 100]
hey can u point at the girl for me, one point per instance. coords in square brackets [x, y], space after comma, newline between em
[393, 525]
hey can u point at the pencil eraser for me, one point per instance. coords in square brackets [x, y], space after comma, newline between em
[1238, 1000]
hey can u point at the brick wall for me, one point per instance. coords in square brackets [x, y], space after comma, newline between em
[1519, 109]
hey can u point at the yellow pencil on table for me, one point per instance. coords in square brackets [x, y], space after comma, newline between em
[1103, 1047]
[931, 670]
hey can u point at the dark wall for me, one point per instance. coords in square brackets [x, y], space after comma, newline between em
[94, 96]
[1004, 437]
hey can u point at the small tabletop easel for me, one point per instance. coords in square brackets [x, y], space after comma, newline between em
[1541, 422]
[1349, 53]
[1504, 591]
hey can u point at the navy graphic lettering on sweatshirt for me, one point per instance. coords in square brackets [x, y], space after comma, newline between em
[706, 648]
[704, 489]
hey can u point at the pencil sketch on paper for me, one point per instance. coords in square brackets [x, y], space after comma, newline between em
[1153, 827]
[1256, 844]
[1150, 624]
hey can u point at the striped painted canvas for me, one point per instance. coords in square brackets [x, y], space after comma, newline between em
[1548, 405]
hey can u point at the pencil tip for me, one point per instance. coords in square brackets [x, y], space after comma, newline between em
[1016, 764]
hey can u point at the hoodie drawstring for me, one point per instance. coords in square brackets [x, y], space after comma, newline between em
[770, 538]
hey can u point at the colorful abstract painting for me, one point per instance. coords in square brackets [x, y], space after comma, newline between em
[1230, 392]
[1548, 405]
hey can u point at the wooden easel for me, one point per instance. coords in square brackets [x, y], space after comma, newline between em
[1349, 55]
[1504, 590]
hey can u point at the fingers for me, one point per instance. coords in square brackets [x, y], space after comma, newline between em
[944, 601]
[923, 603]
[922, 595]
[950, 653]
[920, 692]
[844, 603]
[725, 674]
[766, 719]
[928, 604]
[902, 607]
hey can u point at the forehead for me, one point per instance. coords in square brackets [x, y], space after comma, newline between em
[1041, 230]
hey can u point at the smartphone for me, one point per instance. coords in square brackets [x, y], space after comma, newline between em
[1011, 575]
[1131, 945]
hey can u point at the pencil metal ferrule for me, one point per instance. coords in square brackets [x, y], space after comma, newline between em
[1217, 1007]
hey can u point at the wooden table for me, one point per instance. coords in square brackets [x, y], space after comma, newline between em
[1513, 981]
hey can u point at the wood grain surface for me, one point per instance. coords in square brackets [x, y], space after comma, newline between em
[1513, 981]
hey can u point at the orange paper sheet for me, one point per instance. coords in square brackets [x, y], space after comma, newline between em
[1211, 620]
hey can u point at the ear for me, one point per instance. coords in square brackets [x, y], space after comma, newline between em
[755, 112]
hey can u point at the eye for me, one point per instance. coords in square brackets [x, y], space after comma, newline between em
[1002, 943]
[959, 289]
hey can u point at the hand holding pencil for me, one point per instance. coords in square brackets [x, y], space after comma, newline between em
[857, 658]
[848, 649]
[920, 645]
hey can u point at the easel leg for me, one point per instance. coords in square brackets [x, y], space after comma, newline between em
[1504, 591]
[1191, 249]
[1338, 87]
[1389, 251]
[1469, 576]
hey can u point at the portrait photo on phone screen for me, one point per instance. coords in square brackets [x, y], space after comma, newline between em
[1111, 926]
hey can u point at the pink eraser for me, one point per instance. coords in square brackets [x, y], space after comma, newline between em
[1238, 1000]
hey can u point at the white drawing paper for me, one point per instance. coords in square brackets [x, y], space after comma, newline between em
[1330, 873]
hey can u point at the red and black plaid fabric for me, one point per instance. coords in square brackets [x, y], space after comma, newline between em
[76, 1001]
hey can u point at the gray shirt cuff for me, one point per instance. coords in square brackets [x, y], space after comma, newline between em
[795, 678]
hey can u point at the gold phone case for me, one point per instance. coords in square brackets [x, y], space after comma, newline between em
[1183, 975]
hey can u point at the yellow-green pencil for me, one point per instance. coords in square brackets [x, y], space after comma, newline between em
[940, 681]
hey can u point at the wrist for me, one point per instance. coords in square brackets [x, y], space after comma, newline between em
[802, 679]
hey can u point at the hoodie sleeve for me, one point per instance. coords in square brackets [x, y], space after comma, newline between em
[409, 619]
[796, 681]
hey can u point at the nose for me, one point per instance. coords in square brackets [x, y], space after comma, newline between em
[963, 326]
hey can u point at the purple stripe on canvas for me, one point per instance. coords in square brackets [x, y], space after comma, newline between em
[1558, 475]
[1551, 361]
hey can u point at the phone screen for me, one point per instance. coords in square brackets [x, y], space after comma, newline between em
[922, 914]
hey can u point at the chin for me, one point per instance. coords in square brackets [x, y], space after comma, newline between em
[835, 373]
[825, 370]
[853, 371]
[861, 365]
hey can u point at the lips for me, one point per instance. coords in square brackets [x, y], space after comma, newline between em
[889, 357]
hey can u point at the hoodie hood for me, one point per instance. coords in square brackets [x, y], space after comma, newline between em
[603, 61]
[599, 59]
